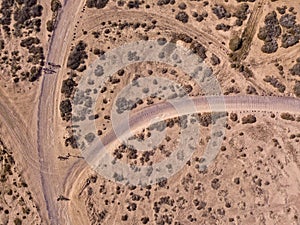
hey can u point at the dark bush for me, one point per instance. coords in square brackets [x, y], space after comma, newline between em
[199, 49]
[133, 4]
[205, 119]
[99, 4]
[251, 90]
[65, 107]
[72, 140]
[77, 56]
[215, 183]
[6, 16]
[30, 3]
[55, 5]
[20, 2]
[50, 25]
[275, 83]
[68, 86]
[270, 47]
[289, 40]
[215, 60]
[35, 73]
[295, 70]
[182, 6]
[163, 2]
[27, 42]
[22, 15]
[17, 221]
[223, 27]
[269, 33]
[287, 20]
[287, 116]
[185, 38]
[235, 43]
[182, 16]
[297, 89]
[219, 11]
[248, 119]
[233, 117]
[241, 12]
[2, 44]
[281, 10]
[36, 11]
[5, 4]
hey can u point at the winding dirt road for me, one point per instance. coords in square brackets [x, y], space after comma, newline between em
[166, 110]
[48, 110]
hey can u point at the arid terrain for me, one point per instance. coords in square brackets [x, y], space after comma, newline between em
[149, 112]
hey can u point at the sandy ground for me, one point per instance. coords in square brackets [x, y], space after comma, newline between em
[254, 178]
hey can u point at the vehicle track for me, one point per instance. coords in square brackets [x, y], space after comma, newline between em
[250, 30]
[166, 110]
[46, 110]
[61, 38]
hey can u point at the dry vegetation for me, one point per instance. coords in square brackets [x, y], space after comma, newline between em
[238, 188]
[250, 46]
[17, 205]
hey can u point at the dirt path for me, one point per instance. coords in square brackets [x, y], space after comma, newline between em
[47, 109]
[58, 49]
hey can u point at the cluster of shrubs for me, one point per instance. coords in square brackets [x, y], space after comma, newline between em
[134, 4]
[220, 12]
[68, 87]
[66, 109]
[295, 70]
[99, 4]
[77, 56]
[182, 17]
[297, 89]
[182, 37]
[222, 26]
[165, 2]
[272, 31]
[269, 33]
[2, 44]
[36, 57]
[275, 83]
[287, 116]
[55, 6]
[241, 13]
[6, 11]
[248, 119]
[199, 49]
[245, 0]
[292, 35]
[235, 43]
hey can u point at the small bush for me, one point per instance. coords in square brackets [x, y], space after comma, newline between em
[50, 25]
[235, 43]
[55, 5]
[99, 4]
[297, 89]
[77, 56]
[270, 47]
[295, 70]
[68, 87]
[17, 221]
[287, 21]
[287, 116]
[248, 119]
[65, 106]
[219, 11]
[182, 17]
